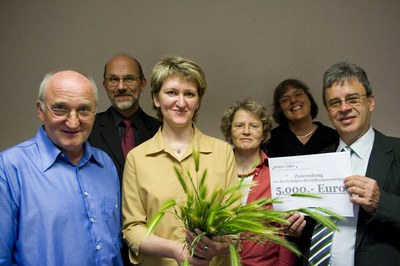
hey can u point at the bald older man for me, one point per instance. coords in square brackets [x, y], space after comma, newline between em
[59, 197]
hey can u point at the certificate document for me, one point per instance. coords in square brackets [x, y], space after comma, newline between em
[319, 174]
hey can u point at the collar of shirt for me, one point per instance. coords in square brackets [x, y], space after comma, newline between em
[50, 152]
[116, 116]
[361, 147]
[137, 121]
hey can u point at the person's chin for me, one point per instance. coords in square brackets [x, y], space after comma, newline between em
[124, 105]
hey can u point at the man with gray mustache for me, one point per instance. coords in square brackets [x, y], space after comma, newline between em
[124, 81]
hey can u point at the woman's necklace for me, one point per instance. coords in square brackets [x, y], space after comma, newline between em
[178, 150]
[308, 134]
[253, 168]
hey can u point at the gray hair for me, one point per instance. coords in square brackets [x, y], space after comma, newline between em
[251, 106]
[45, 82]
[342, 72]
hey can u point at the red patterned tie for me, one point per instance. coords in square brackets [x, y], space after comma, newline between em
[128, 140]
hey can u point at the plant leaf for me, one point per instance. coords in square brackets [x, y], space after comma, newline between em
[178, 173]
[307, 195]
[156, 219]
[235, 261]
[222, 213]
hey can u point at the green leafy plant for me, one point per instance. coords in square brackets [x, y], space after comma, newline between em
[220, 212]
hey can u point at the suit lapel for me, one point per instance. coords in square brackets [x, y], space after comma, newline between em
[110, 136]
[380, 160]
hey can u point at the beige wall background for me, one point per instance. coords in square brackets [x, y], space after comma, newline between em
[245, 47]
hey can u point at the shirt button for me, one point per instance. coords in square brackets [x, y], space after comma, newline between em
[86, 193]
[92, 219]
[98, 247]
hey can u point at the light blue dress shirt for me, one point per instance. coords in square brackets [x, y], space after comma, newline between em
[53, 212]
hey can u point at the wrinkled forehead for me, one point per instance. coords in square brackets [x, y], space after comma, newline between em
[122, 66]
[70, 85]
[345, 86]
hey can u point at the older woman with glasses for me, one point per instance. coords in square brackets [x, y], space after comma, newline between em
[246, 125]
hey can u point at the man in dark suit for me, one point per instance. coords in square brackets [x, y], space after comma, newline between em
[372, 236]
[124, 81]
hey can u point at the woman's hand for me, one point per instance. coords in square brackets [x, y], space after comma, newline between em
[207, 248]
[183, 253]
[160, 247]
[296, 224]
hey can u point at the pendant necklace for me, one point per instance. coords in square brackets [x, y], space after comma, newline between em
[178, 150]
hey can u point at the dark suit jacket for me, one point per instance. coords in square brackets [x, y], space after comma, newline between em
[378, 235]
[105, 134]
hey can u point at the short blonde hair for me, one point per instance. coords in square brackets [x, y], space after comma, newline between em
[181, 67]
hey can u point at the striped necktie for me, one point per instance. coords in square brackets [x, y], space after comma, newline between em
[321, 242]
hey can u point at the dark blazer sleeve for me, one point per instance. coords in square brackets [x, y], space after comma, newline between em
[105, 136]
[378, 234]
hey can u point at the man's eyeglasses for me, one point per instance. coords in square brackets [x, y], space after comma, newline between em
[353, 100]
[64, 114]
[128, 80]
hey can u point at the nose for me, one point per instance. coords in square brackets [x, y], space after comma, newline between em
[121, 84]
[246, 129]
[292, 98]
[180, 101]
[344, 106]
[73, 120]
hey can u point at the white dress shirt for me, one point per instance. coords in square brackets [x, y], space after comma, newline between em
[343, 243]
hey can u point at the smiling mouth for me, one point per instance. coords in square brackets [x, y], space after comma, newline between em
[71, 133]
[347, 119]
[180, 111]
[123, 96]
[297, 107]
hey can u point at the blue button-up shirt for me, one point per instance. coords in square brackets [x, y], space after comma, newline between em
[53, 212]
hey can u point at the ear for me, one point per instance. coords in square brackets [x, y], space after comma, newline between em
[155, 100]
[40, 111]
[371, 100]
[144, 83]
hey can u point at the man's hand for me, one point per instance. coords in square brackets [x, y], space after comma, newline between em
[363, 191]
